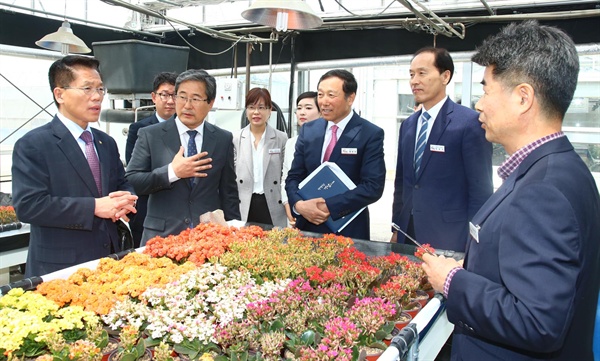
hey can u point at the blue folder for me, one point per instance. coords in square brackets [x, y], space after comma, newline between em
[326, 181]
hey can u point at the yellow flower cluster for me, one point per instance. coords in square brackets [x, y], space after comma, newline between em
[98, 290]
[26, 313]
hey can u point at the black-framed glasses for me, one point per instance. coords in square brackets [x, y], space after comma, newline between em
[184, 100]
[87, 90]
[166, 96]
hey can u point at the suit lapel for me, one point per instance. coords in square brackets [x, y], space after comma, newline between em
[439, 126]
[74, 155]
[350, 132]
[269, 144]
[103, 157]
[171, 137]
[245, 150]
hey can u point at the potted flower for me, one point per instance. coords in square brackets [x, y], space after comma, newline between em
[8, 219]
[131, 347]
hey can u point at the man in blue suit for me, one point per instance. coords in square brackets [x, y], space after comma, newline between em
[163, 97]
[72, 209]
[358, 151]
[528, 288]
[444, 166]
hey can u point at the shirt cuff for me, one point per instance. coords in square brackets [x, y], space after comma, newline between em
[449, 279]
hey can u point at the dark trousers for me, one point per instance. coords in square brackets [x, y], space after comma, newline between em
[137, 223]
[259, 210]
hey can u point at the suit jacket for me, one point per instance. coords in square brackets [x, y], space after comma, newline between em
[532, 284]
[451, 185]
[173, 207]
[366, 169]
[273, 153]
[54, 190]
[132, 134]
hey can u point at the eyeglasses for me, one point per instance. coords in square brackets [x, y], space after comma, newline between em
[184, 100]
[260, 108]
[88, 90]
[166, 96]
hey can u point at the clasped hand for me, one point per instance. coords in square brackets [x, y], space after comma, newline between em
[313, 210]
[188, 167]
[116, 205]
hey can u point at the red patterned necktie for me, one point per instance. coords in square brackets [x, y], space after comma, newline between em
[331, 144]
[92, 159]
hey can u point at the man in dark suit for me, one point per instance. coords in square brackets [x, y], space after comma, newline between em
[528, 288]
[163, 97]
[444, 166]
[358, 152]
[186, 165]
[71, 207]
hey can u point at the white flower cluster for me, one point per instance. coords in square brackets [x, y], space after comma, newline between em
[192, 306]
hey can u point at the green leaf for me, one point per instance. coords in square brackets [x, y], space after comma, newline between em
[308, 337]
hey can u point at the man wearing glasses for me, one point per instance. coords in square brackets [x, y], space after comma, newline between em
[68, 180]
[163, 97]
[185, 166]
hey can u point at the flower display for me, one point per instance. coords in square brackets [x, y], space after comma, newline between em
[7, 215]
[26, 317]
[189, 309]
[201, 243]
[283, 254]
[420, 251]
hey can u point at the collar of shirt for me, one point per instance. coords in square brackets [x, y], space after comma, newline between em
[512, 163]
[160, 120]
[184, 137]
[433, 112]
[182, 129]
[75, 130]
[341, 126]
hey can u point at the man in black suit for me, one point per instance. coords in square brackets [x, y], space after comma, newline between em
[163, 97]
[185, 165]
[70, 190]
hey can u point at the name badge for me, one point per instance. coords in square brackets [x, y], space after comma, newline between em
[275, 151]
[437, 148]
[351, 151]
[474, 231]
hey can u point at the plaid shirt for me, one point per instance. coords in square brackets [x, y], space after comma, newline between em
[513, 162]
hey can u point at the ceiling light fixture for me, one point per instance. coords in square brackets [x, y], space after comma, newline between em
[282, 14]
[63, 40]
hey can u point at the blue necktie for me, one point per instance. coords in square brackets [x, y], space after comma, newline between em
[421, 141]
[191, 150]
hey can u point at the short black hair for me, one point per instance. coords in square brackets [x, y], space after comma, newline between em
[350, 86]
[442, 59]
[61, 72]
[164, 78]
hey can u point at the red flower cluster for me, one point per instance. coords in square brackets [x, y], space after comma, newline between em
[420, 251]
[201, 243]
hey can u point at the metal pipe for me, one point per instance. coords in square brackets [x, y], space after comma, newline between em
[446, 25]
[64, 16]
[582, 49]
[350, 24]
[488, 7]
[205, 30]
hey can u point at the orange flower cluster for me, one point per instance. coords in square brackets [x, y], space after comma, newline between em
[201, 243]
[112, 281]
[420, 251]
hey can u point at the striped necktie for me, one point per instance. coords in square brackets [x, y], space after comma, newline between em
[421, 141]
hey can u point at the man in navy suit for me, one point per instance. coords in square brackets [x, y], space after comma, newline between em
[528, 288]
[358, 152]
[186, 165]
[72, 209]
[163, 97]
[444, 166]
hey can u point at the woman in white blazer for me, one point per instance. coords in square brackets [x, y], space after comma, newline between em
[307, 110]
[259, 151]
